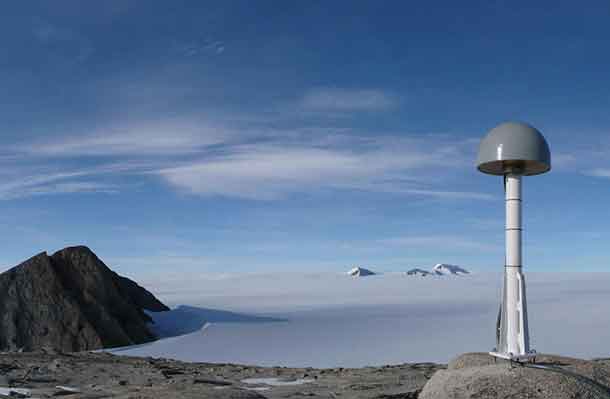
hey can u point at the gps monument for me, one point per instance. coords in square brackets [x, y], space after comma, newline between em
[513, 150]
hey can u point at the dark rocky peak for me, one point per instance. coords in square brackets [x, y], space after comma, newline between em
[71, 301]
[81, 267]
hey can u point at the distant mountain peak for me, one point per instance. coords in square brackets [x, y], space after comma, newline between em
[441, 269]
[360, 272]
[418, 272]
[445, 269]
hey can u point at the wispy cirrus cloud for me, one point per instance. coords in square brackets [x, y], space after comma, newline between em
[341, 99]
[256, 161]
[263, 172]
[59, 188]
[57, 183]
[440, 194]
[251, 163]
[170, 137]
[22, 182]
[273, 171]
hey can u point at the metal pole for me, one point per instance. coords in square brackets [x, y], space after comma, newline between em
[516, 329]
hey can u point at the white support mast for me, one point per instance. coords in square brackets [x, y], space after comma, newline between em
[513, 334]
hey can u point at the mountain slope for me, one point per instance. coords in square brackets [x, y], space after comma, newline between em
[71, 301]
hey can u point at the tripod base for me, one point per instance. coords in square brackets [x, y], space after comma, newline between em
[526, 357]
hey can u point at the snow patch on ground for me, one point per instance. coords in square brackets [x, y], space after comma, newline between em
[276, 382]
[15, 392]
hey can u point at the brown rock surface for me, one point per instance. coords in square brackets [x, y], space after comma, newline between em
[71, 301]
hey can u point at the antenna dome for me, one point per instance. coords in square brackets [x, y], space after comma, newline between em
[514, 146]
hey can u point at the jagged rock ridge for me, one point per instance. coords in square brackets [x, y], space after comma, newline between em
[71, 301]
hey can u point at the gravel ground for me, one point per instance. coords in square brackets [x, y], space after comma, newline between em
[101, 375]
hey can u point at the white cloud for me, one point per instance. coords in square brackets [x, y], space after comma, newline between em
[30, 190]
[338, 99]
[599, 172]
[37, 180]
[274, 171]
[159, 138]
[261, 172]
[20, 185]
[218, 162]
[251, 163]
[440, 194]
[66, 188]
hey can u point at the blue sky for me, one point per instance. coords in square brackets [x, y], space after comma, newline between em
[232, 136]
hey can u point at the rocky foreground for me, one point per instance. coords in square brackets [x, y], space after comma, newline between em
[101, 375]
[474, 375]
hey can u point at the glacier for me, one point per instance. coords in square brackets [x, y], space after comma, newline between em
[332, 320]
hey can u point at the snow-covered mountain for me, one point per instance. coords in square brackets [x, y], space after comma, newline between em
[418, 272]
[443, 269]
[360, 272]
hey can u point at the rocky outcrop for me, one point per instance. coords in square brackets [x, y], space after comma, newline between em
[478, 375]
[71, 301]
